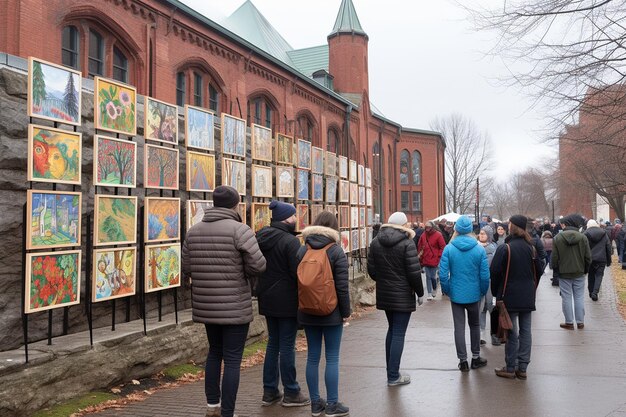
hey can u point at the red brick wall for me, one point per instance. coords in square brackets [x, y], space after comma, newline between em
[347, 62]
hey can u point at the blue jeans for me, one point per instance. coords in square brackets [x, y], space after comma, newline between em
[394, 342]
[431, 278]
[280, 355]
[573, 289]
[226, 343]
[519, 342]
[332, 344]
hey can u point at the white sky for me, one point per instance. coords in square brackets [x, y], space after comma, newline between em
[425, 62]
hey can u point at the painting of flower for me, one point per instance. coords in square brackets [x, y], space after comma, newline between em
[162, 267]
[53, 219]
[199, 128]
[52, 280]
[54, 155]
[233, 135]
[54, 92]
[115, 107]
[160, 121]
[115, 162]
[113, 273]
[160, 167]
[200, 171]
[115, 220]
[162, 219]
[261, 143]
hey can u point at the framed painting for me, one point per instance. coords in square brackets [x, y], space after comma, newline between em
[52, 280]
[115, 107]
[368, 197]
[54, 92]
[196, 210]
[345, 241]
[304, 154]
[114, 162]
[233, 135]
[353, 171]
[113, 274]
[54, 155]
[200, 171]
[354, 193]
[331, 189]
[361, 174]
[362, 196]
[354, 216]
[343, 167]
[284, 151]
[317, 187]
[284, 181]
[369, 217]
[316, 209]
[317, 160]
[303, 184]
[368, 177]
[162, 267]
[262, 181]
[344, 191]
[160, 121]
[160, 168]
[261, 143]
[354, 240]
[53, 219]
[241, 209]
[344, 217]
[331, 208]
[302, 215]
[361, 216]
[330, 164]
[363, 238]
[234, 174]
[161, 219]
[199, 128]
[261, 216]
[115, 220]
[370, 235]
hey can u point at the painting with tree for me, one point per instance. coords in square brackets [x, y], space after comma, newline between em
[196, 210]
[115, 106]
[284, 149]
[303, 184]
[317, 160]
[199, 128]
[160, 121]
[233, 135]
[304, 154]
[261, 143]
[115, 220]
[113, 274]
[261, 181]
[200, 171]
[234, 174]
[54, 155]
[53, 219]
[261, 216]
[160, 167]
[115, 162]
[52, 280]
[162, 219]
[162, 267]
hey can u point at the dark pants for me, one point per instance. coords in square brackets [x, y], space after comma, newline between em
[495, 314]
[519, 342]
[458, 316]
[594, 279]
[280, 354]
[226, 343]
[394, 343]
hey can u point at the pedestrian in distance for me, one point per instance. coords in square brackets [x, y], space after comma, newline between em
[464, 275]
[501, 234]
[486, 303]
[392, 262]
[621, 243]
[601, 249]
[277, 293]
[547, 241]
[221, 255]
[429, 250]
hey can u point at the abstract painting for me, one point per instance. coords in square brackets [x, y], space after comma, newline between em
[54, 219]
[354, 239]
[344, 191]
[241, 209]
[113, 273]
[317, 160]
[303, 185]
[361, 216]
[368, 197]
[160, 167]
[370, 235]
[361, 176]
[353, 171]
[354, 216]
[261, 216]
[54, 92]
[200, 171]
[331, 189]
[363, 238]
[284, 151]
[162, 267]
[115, 220]
[302, 215]
[362, 196]
[261, 181]
[345, 241]
[354, 193]
[52, 280]
[54, 155]
[343, 167]
[304, 154]
[370, 217]
[261, 143]
[234, 174]
[316, 209]
[330, 164]
[115, 107]
[368, 177]
[233, 135]
[199, 131]
[344, 217]
[317, 186]
[160, 121]
[115, 162]
[162, 219]
[284, 181]
[331, 208]
[196, 210]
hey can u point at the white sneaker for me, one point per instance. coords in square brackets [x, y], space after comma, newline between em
[429, 298]
[433, 295]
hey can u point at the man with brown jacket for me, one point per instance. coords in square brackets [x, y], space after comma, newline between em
[221, 255]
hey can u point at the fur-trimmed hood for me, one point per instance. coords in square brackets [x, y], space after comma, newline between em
[390, 234]
[409, 232]
[315, 235]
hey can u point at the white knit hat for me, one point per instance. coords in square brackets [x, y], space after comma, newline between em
[592, 223]
[398, 218]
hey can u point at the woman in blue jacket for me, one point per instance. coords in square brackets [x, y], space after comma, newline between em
[464, 275]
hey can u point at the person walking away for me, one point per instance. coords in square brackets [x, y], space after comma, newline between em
[600, 246]
[621, 243]
[430, 247]
[486, 302]
[392, 262]
[572, 256]
[278, 301]
[515, 273]
[464, 276]
[546, 240]
[220, 255]
[323, 235]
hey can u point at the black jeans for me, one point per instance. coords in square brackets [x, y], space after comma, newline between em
[594, 279]
[458, 316]
[226, 343]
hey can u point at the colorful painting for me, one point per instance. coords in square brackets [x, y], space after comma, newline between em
[160, 121]
[344, 191]
[261, 216]
[115, 107]
[331, 189]
[54, 218]
[113, 273]
[362, 196]
[361, 176]
[317, 186]
[354, 216]
[331, 208]
[284, 181]
[241, 209]
[343, 167]
[345, 241]
[302, 215]
[234, 174]
[115, 220]
[363, 238]
[368, 177]
[261, 143]
[368, 197]
[304, 154]
[200, 171]
[344, 217]
[196, 210]
[284, 151]
[330, 164]
[354, 193]
[354, 239]
[317, 160]
[160, 167]
[361, 216]
[52, 280]
[54, 92]
[54, 155]
[353, 171]
[303, 185]
[115, 162]
[370, 216]
[233, 135]
[370, 235]
[162, 267]
[316, 209]
[162, 219]
[261, 181]
[199, 130]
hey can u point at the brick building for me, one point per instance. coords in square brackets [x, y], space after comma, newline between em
[245, 68]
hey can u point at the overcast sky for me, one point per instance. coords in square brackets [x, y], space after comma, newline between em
[425, 62]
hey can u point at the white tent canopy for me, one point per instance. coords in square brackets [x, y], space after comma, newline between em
[451, 217]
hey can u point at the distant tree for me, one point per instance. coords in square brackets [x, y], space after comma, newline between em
[39, 84]
[70, 99]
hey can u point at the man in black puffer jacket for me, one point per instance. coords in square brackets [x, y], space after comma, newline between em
[600, 245]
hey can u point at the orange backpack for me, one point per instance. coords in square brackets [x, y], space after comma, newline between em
[316, 285]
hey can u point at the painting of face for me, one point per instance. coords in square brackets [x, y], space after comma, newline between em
[54, 155]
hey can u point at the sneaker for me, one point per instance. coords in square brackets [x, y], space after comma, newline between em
[295, 400]
[483, 342]
[463, 366]
[520, 374]
[504, 373]
[433, 294]
[580, 326]
[429, 298]
[402, 380]
[318, 407]
[495, 340]
[214, 410]
[567, 326]
[478, 362]
[337, 410]
[271, 397]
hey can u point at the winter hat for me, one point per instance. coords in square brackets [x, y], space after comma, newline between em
[519, 221]
[489, 232]
[225, 196]
[463, 225]
[617, 221]
[592, 223]
[281, 211]
[572, 220]
[398, 218]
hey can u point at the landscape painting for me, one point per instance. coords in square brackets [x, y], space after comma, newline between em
[261, 181]
[284, 151]
[53, 219]
[345, 241]
[162, 219]
[52, 280]
[261, 143]
[162, 267]
[354, 216]
[200, 171]
[115, 107]
[331, 189]
[304, 154]
[160, 121]
[261, 216]
[344, 216]
[234, 174]
[54, 155]
[316, 209]
[115, 220]
[113, 273]
[317, 186]
[233, 135]
[302, 216]
[344, 191]
[353, 169]
[196, 210]
[160, 167]
[331, 164]
[54, 92]
[303, 184]
[115, 162]
[284, 181]
[343, 167]
[199, 131]
[317, 160]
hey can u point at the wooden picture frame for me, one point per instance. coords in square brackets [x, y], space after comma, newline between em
[114, 273]
[161, 219]
[353, 171]
[304, 154]
[262, 181]
[199, 128]
[261, 142]
[354, 240]
[66, 212]
[361, 175]
[158, 165]
[302, 216]
[331, 208]
[368, 177]
[122, 221]
[362, 198]
[317, 187]
[330, 164]
[54, 155]
[345, 241]
[344, 217]
[343, 167]
[261, 216]
[196, 210]
[160, 121]
[317, 160]
[331, 189]
[160, 262]
[363, 238]
[241, 209]
[344, 191]
[117, 158]
[233, 135]
[369, 200]
[316, 209]
[362, 221]
[200, 171]
[302, 186]
[284, 181]
[115, 106]
[354, 217]
[234, 174]
[284, 149]
[354, 193]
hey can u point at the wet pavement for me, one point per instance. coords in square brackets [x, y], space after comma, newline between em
[572, 373]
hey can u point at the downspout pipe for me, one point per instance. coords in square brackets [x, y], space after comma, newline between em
[348, 114]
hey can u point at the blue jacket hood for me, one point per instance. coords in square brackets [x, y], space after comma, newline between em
[464, 242]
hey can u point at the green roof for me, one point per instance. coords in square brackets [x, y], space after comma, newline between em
[347, 20]
[309, 60]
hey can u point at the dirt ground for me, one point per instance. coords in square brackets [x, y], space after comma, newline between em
[619, 280]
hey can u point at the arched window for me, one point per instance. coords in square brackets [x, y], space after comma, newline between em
[261, 111]
[305, 128]
[389, 163]
[70, 47]
[120, 65]
[213, 98]
[376, 162]
[196, 86]
[333, 142]
[180, 88]
[95, 62]
[404, 167]
[416, 168]
[197, 89]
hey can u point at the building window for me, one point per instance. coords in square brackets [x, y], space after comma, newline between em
[389, 164]
[96, 54]
[260, 111]
[69, 47]
[416, 168]
[333, 144]
[120, 65]
[197, 89]
[195, 86]
[404, 167]
[404, 201]
[268, 115]
[417, 201]
[305, 129]
[180, 89]
[213, 98]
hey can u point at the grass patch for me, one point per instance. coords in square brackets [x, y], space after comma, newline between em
[73, 406]
[177, 371]
[619, 280]
[254, 348]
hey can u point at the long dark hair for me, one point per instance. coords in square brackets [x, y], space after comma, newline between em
[326, 219]
[518, 231]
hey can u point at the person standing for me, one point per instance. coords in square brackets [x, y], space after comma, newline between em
[546, 240]
[418, 228]
[430, 247]
[444, 230]
[220, 255]
[501, 234]
[621, 243]
[464, 275]
[392, 262]
[277, 292]
[600, 246]
[486, 303]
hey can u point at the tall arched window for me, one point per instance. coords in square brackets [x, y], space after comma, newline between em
[70, 47]
[120, 65]
[196, 86]
[180, 88]
[95, 62]
[404, 167]
[261, 111]
[306, 128]
[333, 143]
[416, 168]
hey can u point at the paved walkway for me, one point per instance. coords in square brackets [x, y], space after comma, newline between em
[573, 373]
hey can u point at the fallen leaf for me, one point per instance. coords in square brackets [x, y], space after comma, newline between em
[135, 382]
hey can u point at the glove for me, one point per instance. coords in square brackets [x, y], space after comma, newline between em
[420, 300]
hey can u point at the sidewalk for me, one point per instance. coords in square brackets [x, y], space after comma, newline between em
[572, 373]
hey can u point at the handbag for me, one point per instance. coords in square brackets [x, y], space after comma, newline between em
[504, 320]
